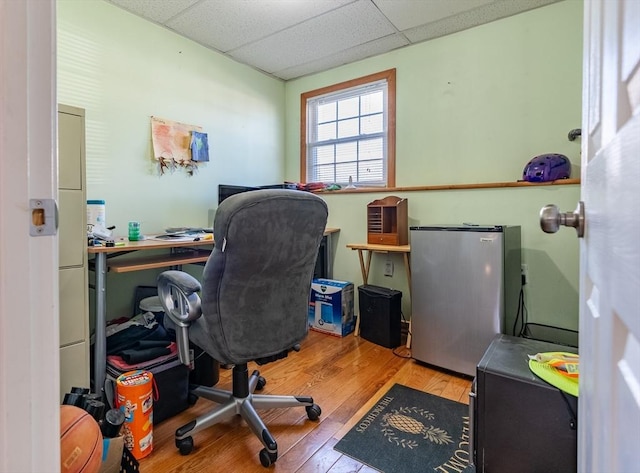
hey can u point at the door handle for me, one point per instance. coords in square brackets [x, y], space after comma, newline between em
[551, 219]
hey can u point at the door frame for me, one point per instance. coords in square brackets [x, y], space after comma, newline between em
[29, 326]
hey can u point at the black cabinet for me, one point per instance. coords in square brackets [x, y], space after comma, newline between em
[520, 422]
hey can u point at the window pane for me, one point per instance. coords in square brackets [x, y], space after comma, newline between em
[370, 171]
[371, 124]
[324, 174]
[372, 103]
[371, 149]
[346, 152]
[347, 128]
[327, 112]
[324, 154]
[327, 131]
[344, 171]
[349, 107]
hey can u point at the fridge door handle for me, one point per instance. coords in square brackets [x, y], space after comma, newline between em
[472, 423]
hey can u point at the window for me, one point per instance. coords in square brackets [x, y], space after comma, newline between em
[348, 131]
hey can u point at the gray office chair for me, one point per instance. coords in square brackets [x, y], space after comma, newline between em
[255, 302]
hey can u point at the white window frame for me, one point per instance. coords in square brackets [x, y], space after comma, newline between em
[385, 81]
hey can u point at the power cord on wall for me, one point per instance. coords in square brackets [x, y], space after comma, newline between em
[402, 351]
[522, 312]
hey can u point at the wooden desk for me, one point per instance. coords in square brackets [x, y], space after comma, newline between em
[179, 253]
[365, 266]
[106, 259]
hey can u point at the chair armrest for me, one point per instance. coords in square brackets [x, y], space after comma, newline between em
[177, 291]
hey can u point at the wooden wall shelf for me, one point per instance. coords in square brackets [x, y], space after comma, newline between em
[483, 185]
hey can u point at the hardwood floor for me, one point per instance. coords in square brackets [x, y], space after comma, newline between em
[345, 376]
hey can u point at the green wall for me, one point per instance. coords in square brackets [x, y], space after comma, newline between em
[471, 107]
[122, 70]
[474, 107]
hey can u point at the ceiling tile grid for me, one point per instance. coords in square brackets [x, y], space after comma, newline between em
[354, 54]
[154, 10]
[405, 14]
[331, 33]
[293, 38]
[229, 24]
[469, 18]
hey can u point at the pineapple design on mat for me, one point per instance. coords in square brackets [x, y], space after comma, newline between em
[413, 428]
[400, 422]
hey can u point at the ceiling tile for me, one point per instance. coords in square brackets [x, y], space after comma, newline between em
[362, 51]
[153, 9]
[405, 14]
[331, 33]
[229, 24]
[470, 18]
[291, 38]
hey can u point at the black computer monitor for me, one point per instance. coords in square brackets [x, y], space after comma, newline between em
[226, 190]
[322, 263]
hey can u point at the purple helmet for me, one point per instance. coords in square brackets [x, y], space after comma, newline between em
[547, 167]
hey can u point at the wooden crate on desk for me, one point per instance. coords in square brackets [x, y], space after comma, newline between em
[388, 221]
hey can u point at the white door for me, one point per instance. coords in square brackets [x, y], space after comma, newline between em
[29, 345]
[609, 403]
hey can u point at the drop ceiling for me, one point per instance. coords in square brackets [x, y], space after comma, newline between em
[288, 39]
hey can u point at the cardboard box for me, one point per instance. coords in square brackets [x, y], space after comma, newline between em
[112, 450]
[331, 307]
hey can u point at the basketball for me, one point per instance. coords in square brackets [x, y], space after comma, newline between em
[80, 441]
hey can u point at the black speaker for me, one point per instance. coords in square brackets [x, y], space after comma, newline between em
[380, 315]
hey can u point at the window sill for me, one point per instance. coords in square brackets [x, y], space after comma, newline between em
[485, 185]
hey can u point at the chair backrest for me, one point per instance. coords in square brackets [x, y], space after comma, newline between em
[256, 283]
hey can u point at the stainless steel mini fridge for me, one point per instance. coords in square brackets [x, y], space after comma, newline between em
[465, 285]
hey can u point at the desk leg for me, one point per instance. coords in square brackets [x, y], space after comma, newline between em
[367, 268]
[407, 268]
[100, 347]
[364, 269]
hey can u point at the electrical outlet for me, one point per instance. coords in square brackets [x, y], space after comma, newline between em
[524, 272]
[388, 268]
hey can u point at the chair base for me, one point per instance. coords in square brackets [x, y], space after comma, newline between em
[243, 402]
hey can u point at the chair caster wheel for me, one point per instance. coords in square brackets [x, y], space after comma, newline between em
[266, 458]
[261, 383]
[192, 399]
[313, 411]
[185, 445]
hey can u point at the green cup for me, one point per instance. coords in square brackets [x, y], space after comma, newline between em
[134, 231]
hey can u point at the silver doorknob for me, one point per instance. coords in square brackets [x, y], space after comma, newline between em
[551, 219]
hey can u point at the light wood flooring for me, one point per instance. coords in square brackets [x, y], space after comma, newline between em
[345, 376]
